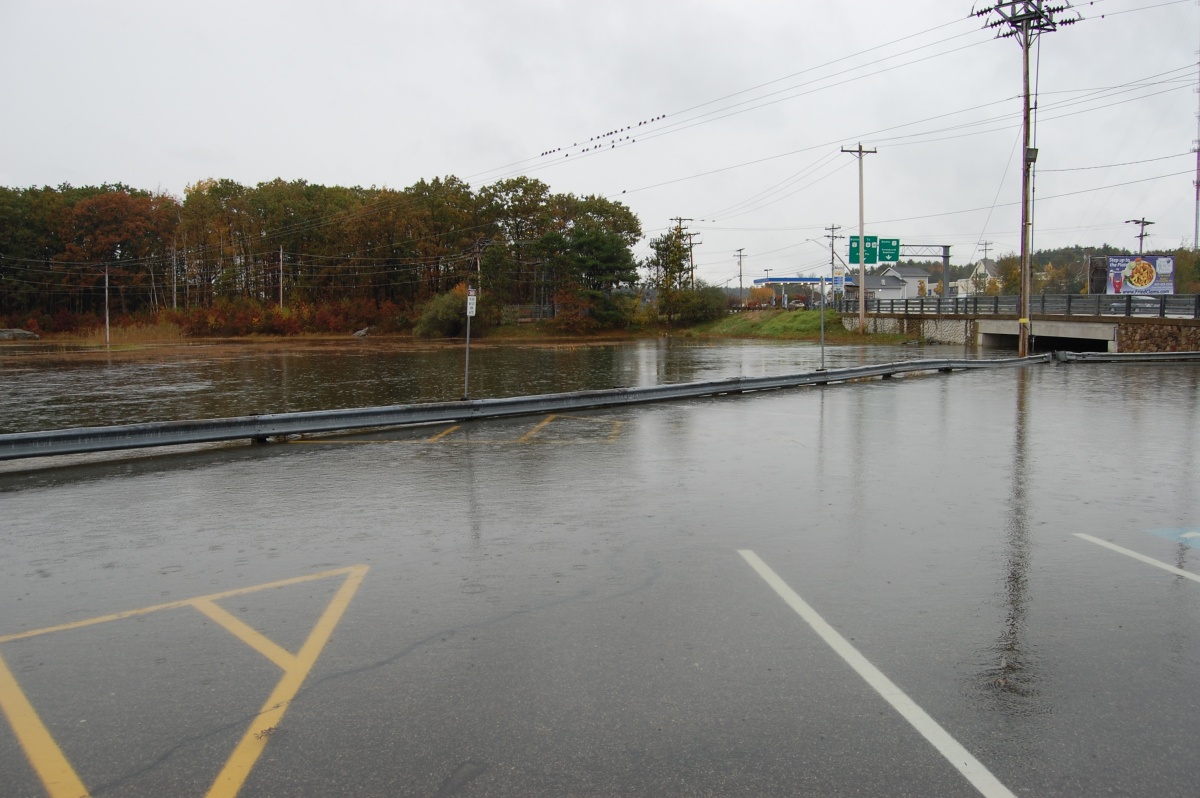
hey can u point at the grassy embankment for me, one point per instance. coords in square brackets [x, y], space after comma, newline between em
[804, 325]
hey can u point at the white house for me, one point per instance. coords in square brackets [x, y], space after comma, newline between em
[984, 272]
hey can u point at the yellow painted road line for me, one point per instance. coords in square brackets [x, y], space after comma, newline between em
[247, 634]
[238, 767]
[241, 591]
[443, 434]
[47, 758]
[528, 435]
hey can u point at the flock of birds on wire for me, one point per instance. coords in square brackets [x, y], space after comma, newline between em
[599, 139]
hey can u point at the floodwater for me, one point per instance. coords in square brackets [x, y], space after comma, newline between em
[591, 604]
[46, 388]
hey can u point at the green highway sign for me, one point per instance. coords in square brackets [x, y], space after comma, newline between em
[872, 243]
[889, 250]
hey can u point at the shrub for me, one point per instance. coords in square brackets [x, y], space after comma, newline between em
[444, 316]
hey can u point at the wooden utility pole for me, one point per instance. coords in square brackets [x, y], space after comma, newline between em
[859, 152]
[1141, 236]
[281, 278]
[833, 237]
[1024, 21]
[741, 290]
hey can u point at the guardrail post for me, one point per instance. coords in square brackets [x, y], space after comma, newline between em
[995, 306]
[1162, 306]
[1068, 304]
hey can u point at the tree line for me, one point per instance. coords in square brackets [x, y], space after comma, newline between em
[226, 243]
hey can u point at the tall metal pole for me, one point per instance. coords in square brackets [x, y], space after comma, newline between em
[862, 241]
[281, 278]
[823, 321]
[106, 339]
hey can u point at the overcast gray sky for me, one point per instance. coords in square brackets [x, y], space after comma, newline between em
[758, 96]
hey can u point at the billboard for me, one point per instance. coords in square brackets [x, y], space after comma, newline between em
[1141, 274]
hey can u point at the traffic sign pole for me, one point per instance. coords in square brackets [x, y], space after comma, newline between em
[472, 298]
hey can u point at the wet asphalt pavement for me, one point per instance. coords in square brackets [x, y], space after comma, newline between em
[567, 606]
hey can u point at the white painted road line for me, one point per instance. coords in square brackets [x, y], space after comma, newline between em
[1136, 556]
[974, 771]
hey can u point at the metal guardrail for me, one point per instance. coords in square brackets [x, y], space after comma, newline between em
[1127, 357]
[1174, 306]
[81, 440]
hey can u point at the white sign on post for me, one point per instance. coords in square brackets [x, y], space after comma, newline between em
[471, 299]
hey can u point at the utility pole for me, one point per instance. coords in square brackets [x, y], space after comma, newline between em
[986, 246]
[741, 290]
[1196, 143]
[691, 237]
[1141, 236]
[768, 272]
[833, 237]
[859, 152]
[1025, 21]
[281, 277]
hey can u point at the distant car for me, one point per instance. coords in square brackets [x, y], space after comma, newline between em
[797, 304]
[1138, 304]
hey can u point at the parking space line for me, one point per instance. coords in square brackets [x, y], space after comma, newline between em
[528, 435]
[958, 756]
[48, 760]
[1142, 557]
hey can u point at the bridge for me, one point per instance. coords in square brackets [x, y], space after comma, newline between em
[1088, 322]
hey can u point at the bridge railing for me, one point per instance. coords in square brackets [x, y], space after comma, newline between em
[1175, 306]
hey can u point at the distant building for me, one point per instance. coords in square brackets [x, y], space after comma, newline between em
[977, 282]
[914, 279]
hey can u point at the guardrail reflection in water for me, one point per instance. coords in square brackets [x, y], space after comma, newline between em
[1174, 306]
[81, 440]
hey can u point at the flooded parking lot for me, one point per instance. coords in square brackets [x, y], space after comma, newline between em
[963, 584]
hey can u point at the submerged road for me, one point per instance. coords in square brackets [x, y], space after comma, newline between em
[978, 584]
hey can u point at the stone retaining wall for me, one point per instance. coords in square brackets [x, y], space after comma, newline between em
[1165, 335]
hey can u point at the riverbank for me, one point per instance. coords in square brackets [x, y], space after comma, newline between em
[758, 324]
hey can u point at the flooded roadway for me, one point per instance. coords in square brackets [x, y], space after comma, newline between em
[590, 605]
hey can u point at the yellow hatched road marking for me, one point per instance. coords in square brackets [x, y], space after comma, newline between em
[52, 766]
[247, 634]
[443, 434]
[43, 753]
[528, 435]
[238, 767]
